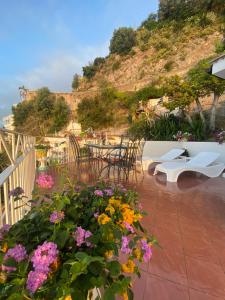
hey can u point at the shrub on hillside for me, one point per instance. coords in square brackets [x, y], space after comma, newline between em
[89, 71]
[42, 115]
[150, 23]
[165, 127]
[75, 82]
[123, 40]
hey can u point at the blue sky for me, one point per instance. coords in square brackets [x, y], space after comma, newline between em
[44, 42]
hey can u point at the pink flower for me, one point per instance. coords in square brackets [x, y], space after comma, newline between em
[147, 250]
[96, 215]
[35, 280]
[98, 193]
[44, 256]
[125, 245]
[57, 217]
[18, 253]
[129, 227]
[81, 235]
[45, 181]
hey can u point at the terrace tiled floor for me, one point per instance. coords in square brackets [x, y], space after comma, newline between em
[189, 222]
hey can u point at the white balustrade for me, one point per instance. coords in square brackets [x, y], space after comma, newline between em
[19, 155]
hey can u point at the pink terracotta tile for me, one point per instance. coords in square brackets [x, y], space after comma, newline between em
[199, 247]
[196, 295]
[168, 265]
[160, 289]
[206, 277]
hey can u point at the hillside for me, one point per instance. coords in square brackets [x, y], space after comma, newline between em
[160, 53]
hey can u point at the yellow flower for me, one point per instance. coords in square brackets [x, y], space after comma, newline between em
[55, 265]
[137, 217]
[111, 209]
[109, 254]
[103, 219]
[68, 298]
[137, 253]
[128, 267]
[124, 206]
[115, 203]
[125, 296]
[4, 247]
[128, 216]
[3, 277]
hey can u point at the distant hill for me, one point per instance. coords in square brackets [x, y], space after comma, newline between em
[161, 52]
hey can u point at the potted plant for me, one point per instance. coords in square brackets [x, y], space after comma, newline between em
[41, 155]
[72, 243]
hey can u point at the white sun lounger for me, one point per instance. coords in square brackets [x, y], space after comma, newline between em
[202, 163]
[171, 155]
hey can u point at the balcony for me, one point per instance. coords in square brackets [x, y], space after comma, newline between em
[188, 219]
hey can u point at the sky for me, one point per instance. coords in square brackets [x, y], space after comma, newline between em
[45, 42]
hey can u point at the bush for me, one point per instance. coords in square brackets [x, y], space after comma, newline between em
[75, 82]
[99, 61]
[123, 40]
[42, 115]
[220, 47]
[115, 66]
[70, 244]
[89, 71]
[151, 22]
[169, 66]
[165, 127]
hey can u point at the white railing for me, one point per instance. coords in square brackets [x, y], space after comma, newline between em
[19, 171]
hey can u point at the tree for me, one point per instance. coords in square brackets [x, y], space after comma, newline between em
[123, 40]
[203, 84]
[89, 71]
[42, 115]
[75, 82]
[181, 96]
[151, 22]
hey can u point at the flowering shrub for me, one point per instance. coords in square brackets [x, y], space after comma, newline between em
[183, 136]
[45, 181]
[64, 248]
[220, 136]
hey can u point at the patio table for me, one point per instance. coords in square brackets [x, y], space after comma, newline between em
[100, 151]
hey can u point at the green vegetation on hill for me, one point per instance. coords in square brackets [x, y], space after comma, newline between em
[44, 114]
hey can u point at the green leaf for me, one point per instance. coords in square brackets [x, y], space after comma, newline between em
[15, 296]
[77, 269]
[109, 294]
[114, 268]
[61, 238]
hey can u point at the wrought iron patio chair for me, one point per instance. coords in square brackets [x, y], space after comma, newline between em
[125, 160]
[79, 154]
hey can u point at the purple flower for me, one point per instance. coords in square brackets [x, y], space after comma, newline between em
[125, 245]
[18, 253]
[44, 256]
[81, 235]
[35, 280]
[147, 250]
[108, 192]
[96, 215]
[5, 228]
[18, 191]
[129, 227]
[98, 193]
[56, 217]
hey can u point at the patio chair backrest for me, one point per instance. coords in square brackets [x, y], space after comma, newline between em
[203, 159]
[75, 147]
[131, 152]
[172, 154]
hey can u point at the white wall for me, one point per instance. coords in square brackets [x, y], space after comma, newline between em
[157, 148]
